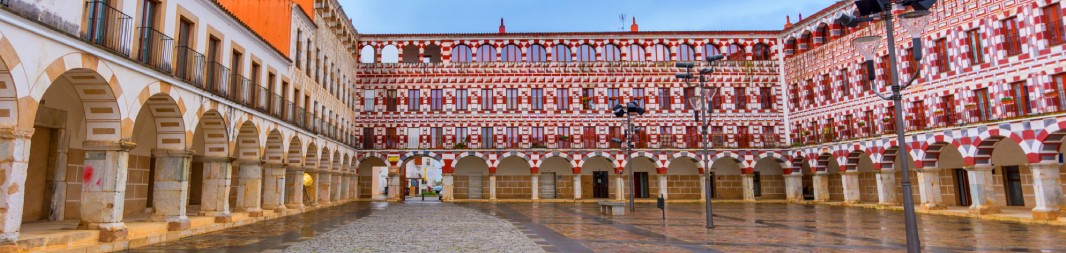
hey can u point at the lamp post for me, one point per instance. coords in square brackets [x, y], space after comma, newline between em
[628, 111]
[914, 22]
[702, 102]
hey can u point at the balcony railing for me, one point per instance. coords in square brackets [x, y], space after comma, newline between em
[190, 66]
[154, 48]
[240, 89]
[107, 27]
[217, 79]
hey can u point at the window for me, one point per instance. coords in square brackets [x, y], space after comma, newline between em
[947, 106]
[660, 52]
[511, 53]
[536, 53]
[793, 95]
[686, 53]
[918, 109]
[586, 53]
[538, 99]
[462, 136]
[512, 99]
[1053, 24]
[486, 53]
[941, 49]
[538, 137]
[562, 99]
[1011, 40]
[984, 109]
[638, 96]
[589, 137]
[845, 86]
[664, 99]
[977, 51]
[810, 91]
[512, 137]
[436, 101]
[1020, 93]
[886, 69]
[588, 100]
[735, 53]
[487, 138]
[187, 55]
[690, 92]
[692, 137]
[461, 99]
[761, 52]
[890, 113]
[299, 47]
[369, 97]
[562, 137]
[613, 98]
[864, 80]
[635, 52]
[391, 100]
[666, 136]
[487, 100]
[827, 87]
[413, 100]
[1058, 87]
[766, 97]
[769, 138]
[742, 98]
[436, 135]
[614, 132]
[368, 138]
[716, 99]
[710, 50]
[392, 140]
[823, 35]
[462, 53]
[561, 53]
[869, 122]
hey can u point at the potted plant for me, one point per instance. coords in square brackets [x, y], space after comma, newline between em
[860, 123]
[805, 132]
[827, 130]
[938, 112]
[886, 120]
[841, 127]
[1007, 100]
[971, 106]
[1051, 93]
[564, 137]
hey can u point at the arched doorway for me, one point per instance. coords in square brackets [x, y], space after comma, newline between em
[892, 154]
[247, 172]
[160, 157]
[372, 181]
[768, 180]
[211, 146]
[828, 164]
[1011, 175]
[864, 165]
[684, 178]
[726, 179]
[420, 172]
[596, 180]
[513, 178]
[471, 178]
[556, 178]
[954, 181]
[645, 182]
[311, 164]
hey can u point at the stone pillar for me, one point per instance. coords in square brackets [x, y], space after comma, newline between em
[492, 186]
[821, 186]
[170, 198]
[850, 180]
[214, 200]
[535, 185]
[886, 187]
[294, 188]
[703, 187]
[274, 187]
[1048, 188]
[747, 183]
[324, 184]
[929, 188]
[354, 186]
[794, 187]
[577, 186]
[103, 188]
[619, 187]
[982, 193]
[448, 179]
[249, 187]
[338, 183]
[663, 187]
[395, 193]
[14, 162]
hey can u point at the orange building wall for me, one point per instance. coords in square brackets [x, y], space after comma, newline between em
[308, 7]
[271, 19]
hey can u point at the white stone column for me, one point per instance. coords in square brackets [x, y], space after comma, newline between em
[703, 187]
[850, 180]
[577, 186]
[214, 199]
[619, 187]
[794, 187]
[395, 191]
[170, 198]
[1048, 188]
[929, 188]
[886, 187]
[336, 186]
[14, 162]
[274, 187]
[747, 184]
[103, 190]
[982, 193]
[535, 185]
[324, 184]
[662, 187]
[354, 187]
[249, 187]
[492, 186]
[294, 187]
[821, 186]
[448, 180]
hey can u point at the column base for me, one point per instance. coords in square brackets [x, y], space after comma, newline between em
[256, 213]
[931, 207]
[178, 225]
[109, 232]
[1046, 214]
[220, 217]
[983, 210]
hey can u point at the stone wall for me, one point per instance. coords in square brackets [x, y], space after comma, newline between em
[773, 186]
[868, 187]
[75, 169]
[460, 187]
[914, 187]
[138, 178]
[683, 186]
[836, 186]
[1027, 186]
[512, 187]
[364, 187]
[728, 187]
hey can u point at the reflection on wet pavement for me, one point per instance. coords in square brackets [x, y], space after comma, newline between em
[740, 227]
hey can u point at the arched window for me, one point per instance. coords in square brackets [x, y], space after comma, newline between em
[410, 54]
[735, 52]
[685, 53]
[792, 45]
[433, 51]
[486, 53]
[366, 55]
[823, 33]
[805, 40]
[760, 52]
[561, 53]
[536, 54]
[710, 49]
[390, 54]
[660, 53]
[461, 53]
[511, 53]
[586, 53]
[611, 53]
[635, 53]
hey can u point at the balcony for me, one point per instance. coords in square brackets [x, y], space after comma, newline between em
[190, 66]
[217, 81]
[107, 27]
[154, 49]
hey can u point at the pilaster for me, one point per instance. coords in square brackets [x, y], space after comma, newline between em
[216, 186]
[1047, 185]
[170, 198]
[104, 188]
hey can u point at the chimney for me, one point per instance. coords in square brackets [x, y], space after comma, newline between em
[788, 21]
[634, 27]
[503, 29]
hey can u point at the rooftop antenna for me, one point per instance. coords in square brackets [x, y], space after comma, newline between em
[622, 22]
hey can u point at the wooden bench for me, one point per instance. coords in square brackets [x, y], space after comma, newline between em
[612, 208]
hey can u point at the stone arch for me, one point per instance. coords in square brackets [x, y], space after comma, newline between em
[9, 104]
[827, 163]
[606, 155]
[273, 152]
[213, 135]
[410, 54]
[407, 157]
[433, 51]
[685, 155]
[986, 142]
[247, 142]
[390, 54]
[768, 178]
[367, 54]
[96, 95]
[311, 156]
[565, 156]
[325, 160]
[510, 154]
[1050, 142]
[643, 155]
[159, 130]
[167, 120]
[294, 155]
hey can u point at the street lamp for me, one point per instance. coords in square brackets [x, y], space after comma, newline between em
[628, 111]
[914, 22]
[702, 102]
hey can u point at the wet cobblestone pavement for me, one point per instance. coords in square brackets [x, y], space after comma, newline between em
[578, 227]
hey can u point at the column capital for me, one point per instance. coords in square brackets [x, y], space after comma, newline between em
[979, 167]
[15, 133]
[850, 172]
[275, 165]
[173, 152]
[121, 145]
[289, 166]
[217, 159]
[248, 162]
[1045, 165]
[927, 170]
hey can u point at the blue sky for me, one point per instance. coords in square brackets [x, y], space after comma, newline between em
[479, 16]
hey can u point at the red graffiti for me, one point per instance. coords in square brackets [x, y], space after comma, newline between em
[88, 174]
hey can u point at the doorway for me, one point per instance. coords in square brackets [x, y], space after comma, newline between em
[1012, 182]
[714, 186]
[962, 187]
[640, 184]
[37, 201]
[547, 185]
[756, 184]
[473, 186]
[599, 185]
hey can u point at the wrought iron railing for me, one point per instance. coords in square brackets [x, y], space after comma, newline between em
[218, 79]
[190, 66]
[107, 27]
[154, 49]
